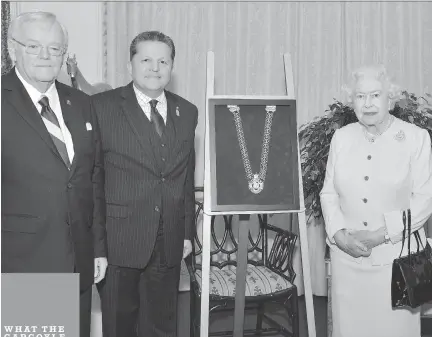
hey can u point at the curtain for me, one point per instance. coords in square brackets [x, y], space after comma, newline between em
[5, 20]
[326, 40]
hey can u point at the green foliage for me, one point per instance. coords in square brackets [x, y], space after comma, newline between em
[315, 138]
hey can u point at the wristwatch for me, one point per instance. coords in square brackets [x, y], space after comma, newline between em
[386, 235]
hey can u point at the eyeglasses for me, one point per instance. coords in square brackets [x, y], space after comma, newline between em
[363, 97]
[35, 49]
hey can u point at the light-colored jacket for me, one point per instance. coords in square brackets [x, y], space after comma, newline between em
[369, 184]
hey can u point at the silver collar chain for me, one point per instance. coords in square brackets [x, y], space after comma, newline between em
[255, 180]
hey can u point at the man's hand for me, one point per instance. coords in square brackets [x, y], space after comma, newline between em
[100, 266]
[187, 248]
[370, 239]
[350, 244]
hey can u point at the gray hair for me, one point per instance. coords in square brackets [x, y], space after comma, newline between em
[17, 23]
[377, 72]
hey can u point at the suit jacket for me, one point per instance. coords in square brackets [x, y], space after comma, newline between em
[368, 185]
[146, 178]
[53, 219]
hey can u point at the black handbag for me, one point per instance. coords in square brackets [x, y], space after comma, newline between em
[412, 274]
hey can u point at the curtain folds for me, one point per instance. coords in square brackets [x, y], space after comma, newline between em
[327, 40]
[5, 20]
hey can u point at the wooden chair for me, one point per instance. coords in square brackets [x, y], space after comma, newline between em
[270, 276]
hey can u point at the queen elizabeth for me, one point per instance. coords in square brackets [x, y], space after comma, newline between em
[377, 168]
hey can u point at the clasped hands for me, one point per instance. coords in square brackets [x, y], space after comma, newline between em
[357, 243]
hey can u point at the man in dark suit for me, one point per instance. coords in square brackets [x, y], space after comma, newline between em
[53, 204]
[148, 136]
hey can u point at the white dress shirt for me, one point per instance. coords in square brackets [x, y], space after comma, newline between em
[368, 184]
[54, 103]
[144, 102]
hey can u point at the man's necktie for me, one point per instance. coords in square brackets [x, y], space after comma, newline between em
[156, 118]
[54, 129]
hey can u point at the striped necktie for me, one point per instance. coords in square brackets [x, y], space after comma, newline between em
[54, 129]
[156, 118]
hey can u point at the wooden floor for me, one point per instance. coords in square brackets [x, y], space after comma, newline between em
[225, 321]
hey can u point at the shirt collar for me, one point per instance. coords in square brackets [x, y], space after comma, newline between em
[161, 98]
[36, 95]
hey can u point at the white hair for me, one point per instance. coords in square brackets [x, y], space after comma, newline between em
[376, 72]
[17, 23]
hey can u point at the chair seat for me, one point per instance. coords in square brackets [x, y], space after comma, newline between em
[259, 281]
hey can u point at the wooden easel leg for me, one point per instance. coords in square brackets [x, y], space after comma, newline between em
[205, 286]
[242, 255]
[306, 275]
[289, 81]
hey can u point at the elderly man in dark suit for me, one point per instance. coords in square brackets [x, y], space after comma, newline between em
[148, 138]
[53, 204]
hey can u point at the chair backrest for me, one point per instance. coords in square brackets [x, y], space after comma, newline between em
[224, 243]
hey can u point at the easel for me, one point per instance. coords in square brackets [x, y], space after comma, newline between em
[244, 222]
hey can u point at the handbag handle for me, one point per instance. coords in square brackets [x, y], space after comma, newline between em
[416, 235]
[409, 235]
[403, 232]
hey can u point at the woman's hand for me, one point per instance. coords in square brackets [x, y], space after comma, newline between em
[370, 239]
[350, 244]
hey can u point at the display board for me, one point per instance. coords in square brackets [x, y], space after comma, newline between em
[247, 172]
[253, 154]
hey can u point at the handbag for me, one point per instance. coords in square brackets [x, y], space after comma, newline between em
[412, 274]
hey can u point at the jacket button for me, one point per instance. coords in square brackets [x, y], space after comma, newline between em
[69, 185]
[369, 157]
[366, 178]
[156, 208]
[163, 179]
[365, 223]
[365, 200]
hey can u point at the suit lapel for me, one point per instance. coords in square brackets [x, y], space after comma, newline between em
[139, 123]
[176, 119]
[172, 120]
[21, 101]
[74, 124]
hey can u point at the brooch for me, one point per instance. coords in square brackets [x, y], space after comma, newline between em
[400, 136]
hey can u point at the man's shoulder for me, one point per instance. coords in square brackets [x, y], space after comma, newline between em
[71, 91]
[180, 100]
[10, 79]
[108, 96]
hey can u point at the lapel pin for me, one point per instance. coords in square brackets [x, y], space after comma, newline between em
[400, 136]
[68, 102]
[177, 112]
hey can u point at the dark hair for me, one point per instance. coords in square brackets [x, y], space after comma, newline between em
[151, 36]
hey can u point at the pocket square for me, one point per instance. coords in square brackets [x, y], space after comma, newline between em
[88, 127]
